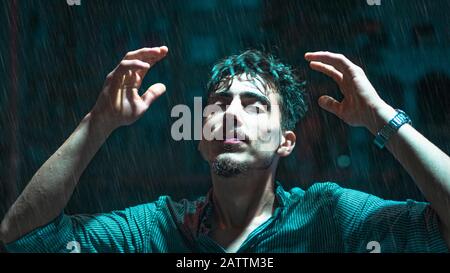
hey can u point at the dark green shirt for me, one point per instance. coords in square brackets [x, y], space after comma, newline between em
[324, 218]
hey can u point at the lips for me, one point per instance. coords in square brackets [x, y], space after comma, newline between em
[235, 137]
[232, 141]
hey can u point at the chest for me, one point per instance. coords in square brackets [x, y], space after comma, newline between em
[232, 239]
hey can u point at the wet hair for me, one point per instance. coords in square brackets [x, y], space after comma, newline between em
[279, 76]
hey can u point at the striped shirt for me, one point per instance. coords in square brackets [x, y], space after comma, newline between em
[324, 218]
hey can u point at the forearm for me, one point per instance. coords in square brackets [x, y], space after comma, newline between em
[362, 106]
[52, 185]
[426, 164]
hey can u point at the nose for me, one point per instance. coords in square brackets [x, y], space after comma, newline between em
[232, 116]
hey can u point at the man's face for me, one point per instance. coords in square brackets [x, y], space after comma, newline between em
[246, 131]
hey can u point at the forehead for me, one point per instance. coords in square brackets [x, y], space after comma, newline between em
[246, 83]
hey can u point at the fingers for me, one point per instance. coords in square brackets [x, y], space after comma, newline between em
[127, 73]
[339, 61]
[328, 70]
[330, 104]
[145, 51]
[126, 65]
[149, 55]
[153, 92]
[140, 60]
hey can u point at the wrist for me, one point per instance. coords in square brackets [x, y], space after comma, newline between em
[381, 115]
[99, 123]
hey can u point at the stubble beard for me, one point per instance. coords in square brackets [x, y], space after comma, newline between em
[227, 167]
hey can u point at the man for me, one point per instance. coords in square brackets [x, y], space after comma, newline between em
[246, 210]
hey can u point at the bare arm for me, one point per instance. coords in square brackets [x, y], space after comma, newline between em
[52, 185]
[425, 163]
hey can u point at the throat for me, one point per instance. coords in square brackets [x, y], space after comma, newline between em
[238, 203]
[239, 207]
[232, 238]
[231, 230]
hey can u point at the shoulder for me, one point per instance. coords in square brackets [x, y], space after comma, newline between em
[331, 194]
[324, 189]
[338, 194]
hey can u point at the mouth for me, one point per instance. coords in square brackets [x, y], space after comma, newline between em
[232, 141]
[233, 145]
[235, 137]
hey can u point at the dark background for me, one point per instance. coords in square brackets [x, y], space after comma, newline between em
[54, 59]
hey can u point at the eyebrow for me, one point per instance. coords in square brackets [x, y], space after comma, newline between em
[245, 94]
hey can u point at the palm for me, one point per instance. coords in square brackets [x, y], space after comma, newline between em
[127, 104]
[359, 95]
[355, 102]
[120, 102]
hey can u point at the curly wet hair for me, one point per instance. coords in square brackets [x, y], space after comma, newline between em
[275, 74]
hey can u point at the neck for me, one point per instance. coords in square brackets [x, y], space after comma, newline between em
[241, 199]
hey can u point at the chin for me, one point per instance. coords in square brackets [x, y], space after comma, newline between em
[229, 165]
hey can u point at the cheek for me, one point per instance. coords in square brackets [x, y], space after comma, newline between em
[211, 127]
[213, 119]
[207, 149]
[262, 125]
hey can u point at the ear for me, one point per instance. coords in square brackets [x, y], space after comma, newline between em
[287, 144]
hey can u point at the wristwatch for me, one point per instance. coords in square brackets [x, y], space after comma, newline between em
[389, 129]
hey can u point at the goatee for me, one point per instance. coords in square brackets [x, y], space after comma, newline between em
[227, 167]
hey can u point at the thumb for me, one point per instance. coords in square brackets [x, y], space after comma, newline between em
[330, 104]
[153, 92]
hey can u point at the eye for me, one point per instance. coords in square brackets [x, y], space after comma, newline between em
[216, 105]
[255, 109]
[221, 105]
[217, 101]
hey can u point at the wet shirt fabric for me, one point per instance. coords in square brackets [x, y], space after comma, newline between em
[324, 218]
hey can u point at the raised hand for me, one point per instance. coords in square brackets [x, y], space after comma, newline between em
[361, 104]
[119, 103]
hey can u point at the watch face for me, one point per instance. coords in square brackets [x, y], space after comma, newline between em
[389, 129]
